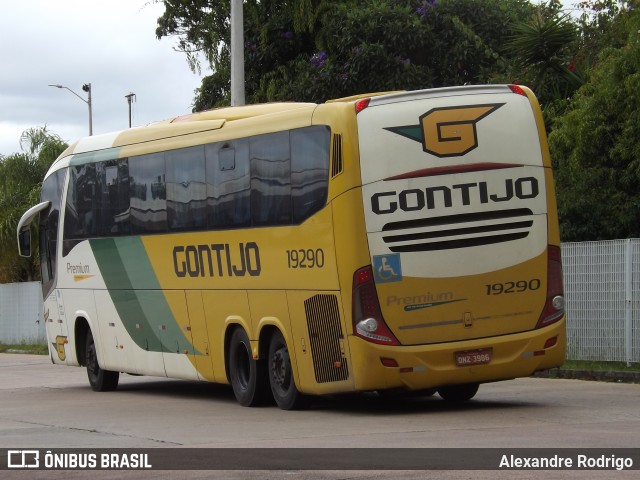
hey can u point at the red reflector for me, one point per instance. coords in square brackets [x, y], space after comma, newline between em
[362, 104]
[363, 275]
[389, 362]
[550, 342]
[517, 89]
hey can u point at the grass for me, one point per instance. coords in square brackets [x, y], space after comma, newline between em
[34, 349]
[600, 366]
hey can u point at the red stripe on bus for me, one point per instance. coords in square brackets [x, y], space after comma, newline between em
[474, 167]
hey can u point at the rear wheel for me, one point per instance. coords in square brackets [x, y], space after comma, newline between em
[248, 377]
[99, 379]
[458, 393]
[283, 385]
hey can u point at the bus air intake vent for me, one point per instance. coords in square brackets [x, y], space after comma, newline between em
[458, 231]
[336, 167]
[325, 337]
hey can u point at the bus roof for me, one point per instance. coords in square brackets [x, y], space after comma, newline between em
[208, 120]
[239, 113]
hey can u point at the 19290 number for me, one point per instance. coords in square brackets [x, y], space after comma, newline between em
[518, 286]
[305, 258]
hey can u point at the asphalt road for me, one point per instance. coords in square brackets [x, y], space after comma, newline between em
[49, 407]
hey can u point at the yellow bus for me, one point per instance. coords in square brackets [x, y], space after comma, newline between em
[392, 242]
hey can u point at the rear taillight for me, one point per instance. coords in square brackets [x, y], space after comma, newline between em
[367, 316]
[362, 104]
[518, 90]
[554, 306]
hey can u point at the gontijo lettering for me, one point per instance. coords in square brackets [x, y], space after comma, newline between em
[217, 260]
[444, 196]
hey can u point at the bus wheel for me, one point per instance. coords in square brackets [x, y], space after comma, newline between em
[458, 393]
[248, 376]
[99, 379]
[283, 386]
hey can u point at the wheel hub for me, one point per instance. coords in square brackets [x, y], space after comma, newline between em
[280, 370]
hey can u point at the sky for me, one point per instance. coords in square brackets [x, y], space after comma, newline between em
[108, 43]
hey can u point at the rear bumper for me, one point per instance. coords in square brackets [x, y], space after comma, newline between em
[427, 366]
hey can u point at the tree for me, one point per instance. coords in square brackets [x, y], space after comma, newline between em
[21, 176]
[313, 50]
[545, 47]
[595, 144]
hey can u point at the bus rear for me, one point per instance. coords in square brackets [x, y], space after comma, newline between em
[465, 281]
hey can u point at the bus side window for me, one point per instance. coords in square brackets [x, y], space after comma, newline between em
[270, 179]
[186, 189]
[228, 184]
[309, 170]
[113, 184]
[148, 192]
[83, 205]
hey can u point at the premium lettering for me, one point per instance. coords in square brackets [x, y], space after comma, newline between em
[445, 197]
[217, 260]
[78, 269]
[420, 299]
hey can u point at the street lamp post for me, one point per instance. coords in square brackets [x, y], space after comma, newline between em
[131, 97]
[237, 54]
[87, 88]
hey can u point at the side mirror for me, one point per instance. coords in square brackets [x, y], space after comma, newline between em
[24, 228]
[24, 242]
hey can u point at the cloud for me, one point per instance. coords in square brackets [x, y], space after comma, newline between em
[108, 43]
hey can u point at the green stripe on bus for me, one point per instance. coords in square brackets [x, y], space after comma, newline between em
[110, 264]
[134, 320]
[136, 294]
[136, 263]
[95, 156]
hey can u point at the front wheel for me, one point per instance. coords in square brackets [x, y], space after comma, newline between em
[283, 386]
[458, 393]
[99, 379]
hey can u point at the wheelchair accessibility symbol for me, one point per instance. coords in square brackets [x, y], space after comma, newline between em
[387, 268]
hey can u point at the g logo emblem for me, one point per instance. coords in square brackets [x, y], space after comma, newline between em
[60, 343]
[448, 131]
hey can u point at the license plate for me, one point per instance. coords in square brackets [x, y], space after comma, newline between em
[474, 357]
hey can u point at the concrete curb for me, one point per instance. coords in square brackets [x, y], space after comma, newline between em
[595, 375]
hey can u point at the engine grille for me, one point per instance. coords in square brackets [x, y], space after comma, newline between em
[325, 334]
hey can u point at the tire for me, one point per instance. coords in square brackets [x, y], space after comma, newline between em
[248, 377]
[458, 393]
[283, 386]
[99, 379]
